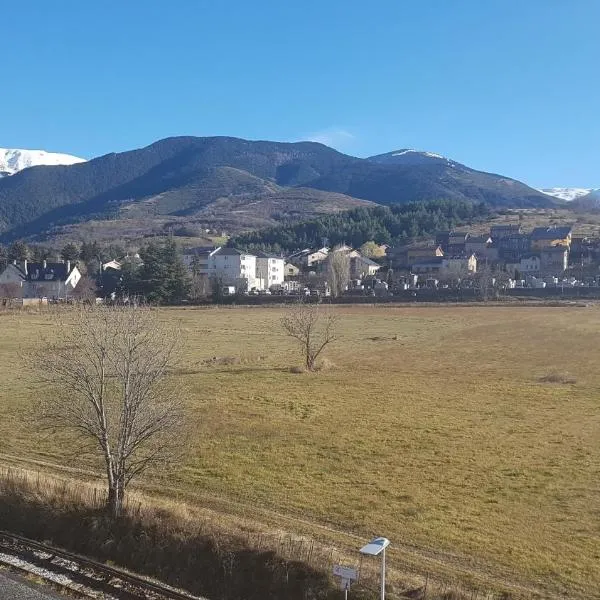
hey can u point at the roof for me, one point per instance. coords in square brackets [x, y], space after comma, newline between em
[479, 239]
[551, 233]
[458, 256]
[229, 252]
[51, 272]
[200, 250]
[17, 268]
[507, 227]
[307, 252]
[300, 253]
[434, 260]
[267, 255]
[366, 261]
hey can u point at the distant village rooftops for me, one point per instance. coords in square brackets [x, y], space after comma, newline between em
[479, 239]
[551, 233]
[497, 231]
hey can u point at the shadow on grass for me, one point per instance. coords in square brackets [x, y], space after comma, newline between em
[159, 544]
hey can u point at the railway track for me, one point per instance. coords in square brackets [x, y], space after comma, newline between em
[86, 577]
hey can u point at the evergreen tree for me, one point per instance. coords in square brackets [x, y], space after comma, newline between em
[162, 278]
[41, 253]
[18, 251]
[90, 251]
[382, 224]
[70, 252]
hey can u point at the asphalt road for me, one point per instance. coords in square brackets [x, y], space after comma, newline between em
[14, 587]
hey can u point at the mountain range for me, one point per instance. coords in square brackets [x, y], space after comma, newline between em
[236, 185]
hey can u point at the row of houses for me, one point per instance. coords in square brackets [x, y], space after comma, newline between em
[261, 271]
[543, 251]
[315, 260]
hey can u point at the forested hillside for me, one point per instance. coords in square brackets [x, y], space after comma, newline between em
[235, 185]
[385, 225]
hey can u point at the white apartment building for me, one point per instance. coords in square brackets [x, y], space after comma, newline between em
[270, 270]
[233, 267]
[199, 258]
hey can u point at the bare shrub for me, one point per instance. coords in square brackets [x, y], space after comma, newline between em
[312, 330]
[558, 377]
[325, 365]
[222, 361]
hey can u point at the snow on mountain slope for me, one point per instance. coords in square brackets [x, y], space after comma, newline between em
[408, 156]
[14, 160]
[568, 194]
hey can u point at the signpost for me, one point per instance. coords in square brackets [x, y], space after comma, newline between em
[347, 575]
[374, 548]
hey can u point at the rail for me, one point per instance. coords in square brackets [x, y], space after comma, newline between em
[90, 573]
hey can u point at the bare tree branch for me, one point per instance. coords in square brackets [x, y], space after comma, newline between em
[338, 271]
[304, 323]
[109, 370]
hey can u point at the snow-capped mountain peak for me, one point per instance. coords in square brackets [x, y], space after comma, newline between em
[411, 157]
[410, 151]
[14, 160]
[568, 194]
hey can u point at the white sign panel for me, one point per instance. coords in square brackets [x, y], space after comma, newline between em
[374, 547]
[345, 572]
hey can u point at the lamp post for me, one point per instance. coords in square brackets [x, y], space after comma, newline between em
[376, 547]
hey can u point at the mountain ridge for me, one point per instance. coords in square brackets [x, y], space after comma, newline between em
[183, 177]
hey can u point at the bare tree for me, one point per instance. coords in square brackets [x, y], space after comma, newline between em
[85, 290]
[338, 271]
[487, 283]
[109, 368]
[10, 290]
[312, 330]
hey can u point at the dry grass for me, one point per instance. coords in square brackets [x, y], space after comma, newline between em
[583, 223]
[439, 435]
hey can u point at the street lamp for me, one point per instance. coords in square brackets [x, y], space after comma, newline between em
[374, 548]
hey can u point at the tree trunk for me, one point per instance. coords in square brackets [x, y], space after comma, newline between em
[116, 496]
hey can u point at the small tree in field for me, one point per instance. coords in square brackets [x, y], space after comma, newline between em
[109, 373]
[312, 330]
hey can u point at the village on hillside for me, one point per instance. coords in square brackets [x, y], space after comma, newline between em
[506, 258]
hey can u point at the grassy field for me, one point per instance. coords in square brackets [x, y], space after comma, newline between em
[431, 425]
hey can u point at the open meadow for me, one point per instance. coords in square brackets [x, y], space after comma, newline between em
[468, 435]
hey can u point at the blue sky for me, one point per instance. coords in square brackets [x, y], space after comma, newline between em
[510, 86]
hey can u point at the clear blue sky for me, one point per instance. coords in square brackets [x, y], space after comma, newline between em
[510, 86]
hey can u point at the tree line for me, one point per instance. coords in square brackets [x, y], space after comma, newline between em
[394, 225]
[90, 253]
